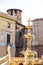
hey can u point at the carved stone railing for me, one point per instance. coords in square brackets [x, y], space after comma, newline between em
[19, 60]
[4, 59]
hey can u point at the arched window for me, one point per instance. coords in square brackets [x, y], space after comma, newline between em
[8, 25]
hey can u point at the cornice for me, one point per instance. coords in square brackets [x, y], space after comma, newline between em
[37, 19]
[7, 16]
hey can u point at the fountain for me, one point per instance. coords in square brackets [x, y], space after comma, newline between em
[28, 54]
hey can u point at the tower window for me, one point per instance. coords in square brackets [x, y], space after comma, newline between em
[20, 34]
[8, 25]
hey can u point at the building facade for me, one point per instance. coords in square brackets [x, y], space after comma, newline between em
[7, 33]
[11, 32]
[37, 31]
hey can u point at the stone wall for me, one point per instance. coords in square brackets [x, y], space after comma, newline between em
[2, 51]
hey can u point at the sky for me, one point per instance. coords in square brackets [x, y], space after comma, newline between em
[31, 8]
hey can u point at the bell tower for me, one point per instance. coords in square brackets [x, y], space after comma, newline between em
[16, 13]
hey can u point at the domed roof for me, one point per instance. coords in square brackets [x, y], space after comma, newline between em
[14, 9]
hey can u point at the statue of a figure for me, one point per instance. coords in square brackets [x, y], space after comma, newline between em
[9, 52]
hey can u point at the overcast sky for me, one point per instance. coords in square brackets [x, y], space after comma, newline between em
[31, 8]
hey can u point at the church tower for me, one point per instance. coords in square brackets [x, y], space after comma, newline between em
[16, 13]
